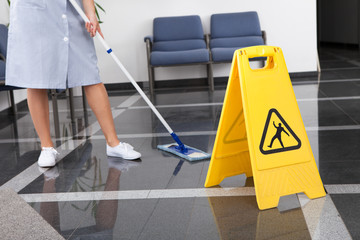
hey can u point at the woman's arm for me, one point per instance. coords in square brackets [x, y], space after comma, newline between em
[93, 26]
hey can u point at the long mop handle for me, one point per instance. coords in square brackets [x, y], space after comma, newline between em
[140, 91]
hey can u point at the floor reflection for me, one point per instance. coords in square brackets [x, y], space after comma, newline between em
[104, 213]
[240, 216]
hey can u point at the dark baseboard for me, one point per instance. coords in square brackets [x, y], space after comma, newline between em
[339, 45]
[218, 81]
[177, 83]
[166, 84]
[197, 82]
[181, 83]
[303, 74]
[122, 86]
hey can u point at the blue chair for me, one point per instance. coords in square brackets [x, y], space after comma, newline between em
[3, 51]
[232, 31]
[177, 41]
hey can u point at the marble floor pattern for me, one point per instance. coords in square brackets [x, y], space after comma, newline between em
[91, 196]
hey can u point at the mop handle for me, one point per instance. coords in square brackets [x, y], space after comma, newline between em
[109, 51]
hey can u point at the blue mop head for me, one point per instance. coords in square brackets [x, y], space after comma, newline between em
[188, 153]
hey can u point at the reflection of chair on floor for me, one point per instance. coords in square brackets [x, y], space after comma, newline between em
[105, 211]
[105, 214]
[54, 97]
[79, 161]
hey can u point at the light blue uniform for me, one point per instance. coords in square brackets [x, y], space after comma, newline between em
[49, 47]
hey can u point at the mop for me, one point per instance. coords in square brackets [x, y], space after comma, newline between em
[178, 148]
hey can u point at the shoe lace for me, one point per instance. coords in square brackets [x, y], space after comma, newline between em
[126, 146]
[50, 149]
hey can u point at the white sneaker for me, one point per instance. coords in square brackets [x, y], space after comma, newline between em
[123, 150]
[47, 157]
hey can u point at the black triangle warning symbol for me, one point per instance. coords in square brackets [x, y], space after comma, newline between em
[277, 135]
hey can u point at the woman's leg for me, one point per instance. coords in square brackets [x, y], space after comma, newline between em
[39, 110]
[98, 100]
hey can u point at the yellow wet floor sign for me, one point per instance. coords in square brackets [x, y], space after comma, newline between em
[261, 132]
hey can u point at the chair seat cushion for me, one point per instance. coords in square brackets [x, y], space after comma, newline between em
[160, 58]
[226, 54]
[236, 42]
[179, 45]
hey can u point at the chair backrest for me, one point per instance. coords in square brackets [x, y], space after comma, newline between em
[178, 34]
[3, 39]
[239, 24]
[178, 28]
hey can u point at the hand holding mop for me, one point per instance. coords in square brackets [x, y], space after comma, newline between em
[178, 148]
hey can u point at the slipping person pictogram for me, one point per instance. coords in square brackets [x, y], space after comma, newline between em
[292, 142]
[277, 135]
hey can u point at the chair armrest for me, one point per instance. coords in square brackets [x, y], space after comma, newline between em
[149, 38]
[148, 41]
[263, 33]
[207, 40]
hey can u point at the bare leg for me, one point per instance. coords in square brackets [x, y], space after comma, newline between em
[99, 102]
[39, 110]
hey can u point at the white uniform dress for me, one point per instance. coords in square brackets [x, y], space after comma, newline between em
[49, 47]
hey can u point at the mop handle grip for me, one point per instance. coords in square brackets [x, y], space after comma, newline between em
[109, 51]
[86, 19]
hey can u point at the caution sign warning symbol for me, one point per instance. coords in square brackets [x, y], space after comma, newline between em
[277, 135]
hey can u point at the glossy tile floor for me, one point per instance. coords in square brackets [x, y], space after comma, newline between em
[90, 196]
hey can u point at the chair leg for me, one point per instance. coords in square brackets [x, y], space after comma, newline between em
[71, 103]
[263, 63]
[86, 117]
[210, 76]
[55, 113]
[151, 73]
[12, 102]
[84, 98]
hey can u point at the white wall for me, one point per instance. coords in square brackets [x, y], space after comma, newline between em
[4, 12]
[290, 25]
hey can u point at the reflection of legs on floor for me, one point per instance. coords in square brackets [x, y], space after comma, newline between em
[106, 212]
[50, 210]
